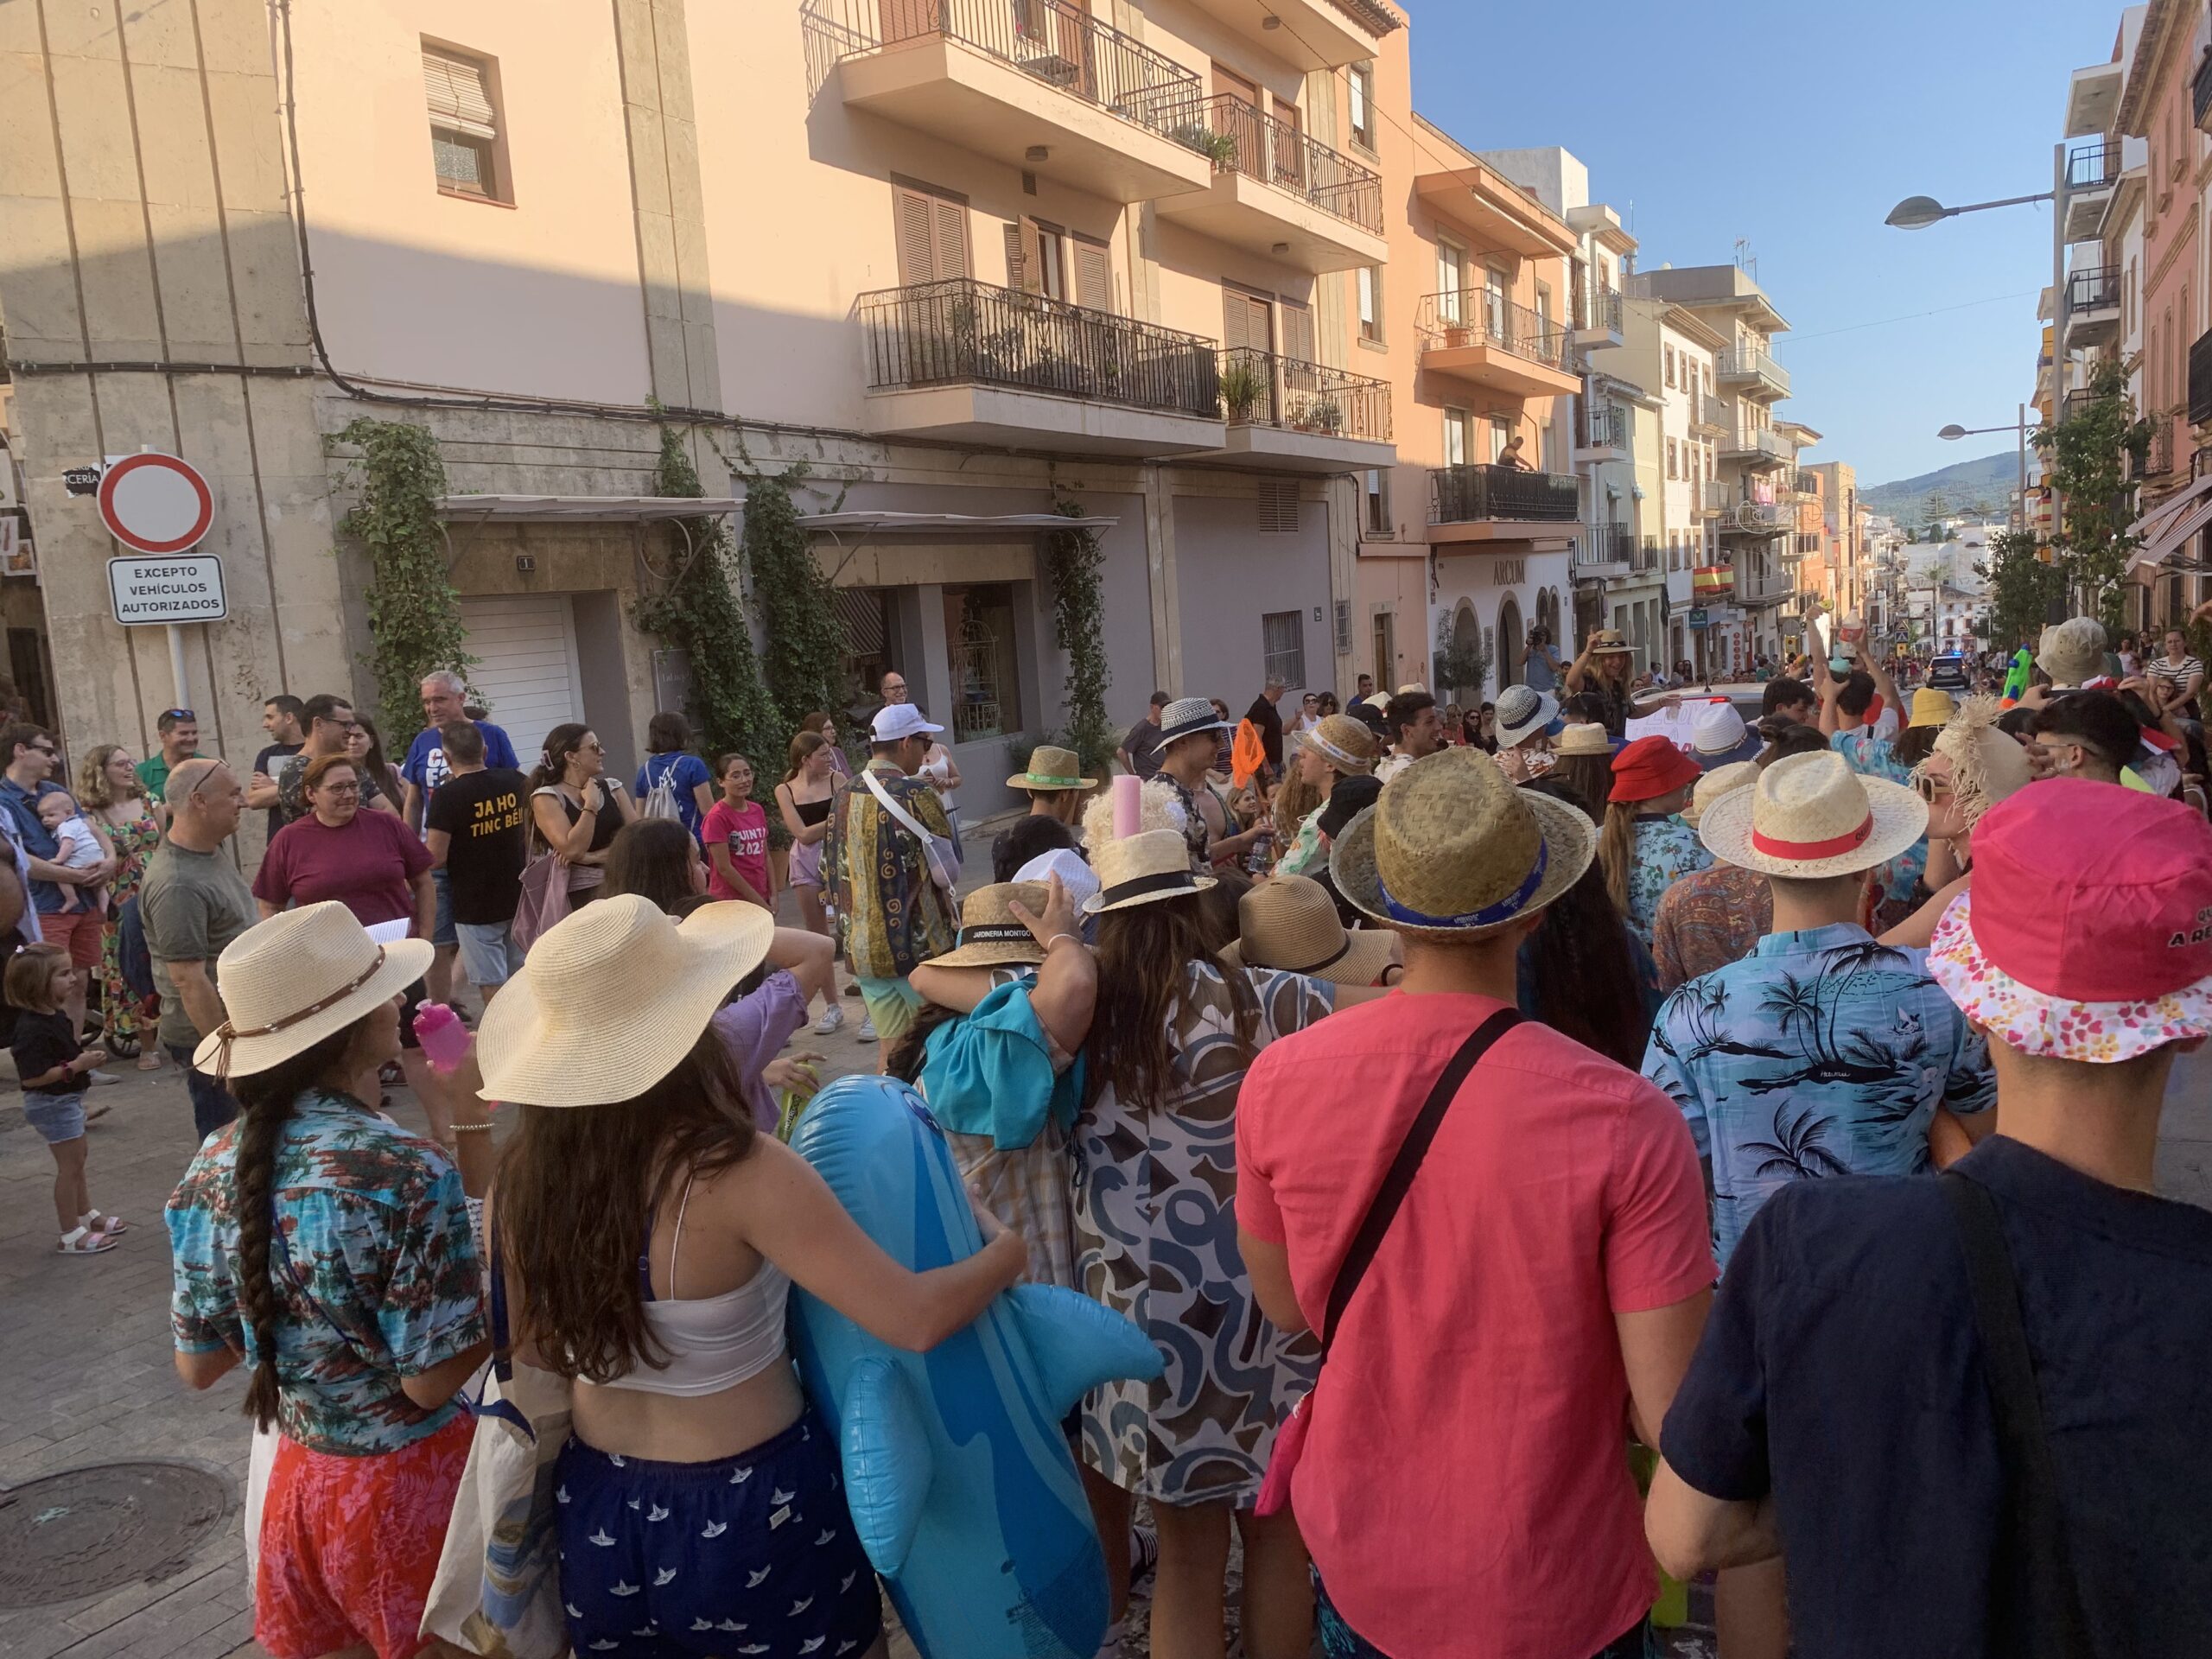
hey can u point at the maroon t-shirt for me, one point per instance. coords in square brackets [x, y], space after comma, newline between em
[368, 865]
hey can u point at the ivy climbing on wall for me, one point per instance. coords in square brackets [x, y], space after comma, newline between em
[1074, 563]
[799, 619]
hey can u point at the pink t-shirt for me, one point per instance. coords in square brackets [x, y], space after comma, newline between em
[744, 830]
[1467, 1454]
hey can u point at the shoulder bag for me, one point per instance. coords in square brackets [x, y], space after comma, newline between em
[660, 799]
[2036, 1599]
[937, 851]
[1382, 1210]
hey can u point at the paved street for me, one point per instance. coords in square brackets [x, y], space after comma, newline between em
[85, 1377]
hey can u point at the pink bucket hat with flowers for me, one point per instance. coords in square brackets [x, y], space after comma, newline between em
[2087, 934]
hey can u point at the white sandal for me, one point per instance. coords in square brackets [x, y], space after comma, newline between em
[85, 1242]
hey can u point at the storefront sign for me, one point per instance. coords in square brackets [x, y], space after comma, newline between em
[81, 480]
[152, 590]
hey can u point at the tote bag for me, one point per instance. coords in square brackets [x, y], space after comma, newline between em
[545, 898]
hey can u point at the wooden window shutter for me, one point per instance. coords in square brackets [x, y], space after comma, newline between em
[1244, 321]
[1278, 506]
[459, 99]
[951, 224]
[1025, 256]
[1093, 275]
[1297, 331]
[916, 264]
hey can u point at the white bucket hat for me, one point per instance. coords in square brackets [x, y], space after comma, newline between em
[300, 977]
[612, 997]
[1719, 738]
[1521, 711]
[1810, 816]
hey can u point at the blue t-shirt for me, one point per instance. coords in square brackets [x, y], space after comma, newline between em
[37, 840]
[1542, 670]
[425, 766]
[688, 771]
[1840, 1371]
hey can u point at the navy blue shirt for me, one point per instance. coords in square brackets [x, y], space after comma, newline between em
[425, 766]
[38, 841]
[1841, 1372]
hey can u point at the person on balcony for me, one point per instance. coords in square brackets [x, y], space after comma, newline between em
[1511, 456]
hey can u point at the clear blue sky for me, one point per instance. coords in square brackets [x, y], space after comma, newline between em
[1799, 127]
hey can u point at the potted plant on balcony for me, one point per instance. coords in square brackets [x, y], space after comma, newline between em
[1242, 388]
[1321, 414]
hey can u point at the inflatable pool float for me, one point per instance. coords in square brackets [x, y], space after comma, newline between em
[961, 1483]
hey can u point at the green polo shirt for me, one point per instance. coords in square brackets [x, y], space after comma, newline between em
[154, 773]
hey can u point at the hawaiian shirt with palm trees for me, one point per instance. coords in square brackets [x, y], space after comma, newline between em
[1823, 1052]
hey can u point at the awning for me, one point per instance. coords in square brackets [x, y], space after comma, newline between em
[584, 509]
[2175, 533]
[2151, 523]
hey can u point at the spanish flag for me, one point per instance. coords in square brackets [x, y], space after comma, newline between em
[1712, 581]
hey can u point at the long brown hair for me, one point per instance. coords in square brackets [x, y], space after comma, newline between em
[1617, 850]
[1143, 954]
[1581, 966]
[576, 1192]
[1591, 777]
[804, 744]
[653, 858]
[268, 1099]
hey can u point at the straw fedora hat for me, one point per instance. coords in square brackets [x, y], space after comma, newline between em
[612, 997]
[1715, 784]
[1583, 737]
[1184, 716]
[1141, 870]
[1454, 850]
[1290, 923]
[1810, 816]
[990, 934]
[1051, 768]
[1609, 642]
[1344, 742]
[300, 977]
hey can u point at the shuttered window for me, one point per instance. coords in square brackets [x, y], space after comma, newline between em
[1246, 320]
[932, 233]
[464, 122]
[1370, 303]
[1026, 257]
[1094, 273]
[1279, 515]
[1361, 81]
[1297, 331]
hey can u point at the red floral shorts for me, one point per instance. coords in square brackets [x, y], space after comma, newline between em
[349, 1545]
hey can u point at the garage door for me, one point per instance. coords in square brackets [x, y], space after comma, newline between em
[525, 644]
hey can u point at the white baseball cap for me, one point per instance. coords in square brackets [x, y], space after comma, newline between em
[896, 721]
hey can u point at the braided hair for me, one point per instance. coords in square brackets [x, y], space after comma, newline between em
[268, 1098]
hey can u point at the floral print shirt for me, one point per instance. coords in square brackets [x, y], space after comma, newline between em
[375, 1272]
[1823, 1052]
[1872, 757]
[891, 916]
[1667, 850]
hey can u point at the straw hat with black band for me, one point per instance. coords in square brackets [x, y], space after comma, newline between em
[300, 977]
[1453, 851]
[1049, 769]
[1290, 923]
[991, 935]
[1141, 870]
[1185, 717]
[612, 997]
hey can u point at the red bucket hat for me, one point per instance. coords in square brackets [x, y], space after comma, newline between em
[2087, 934]
[1650, 767]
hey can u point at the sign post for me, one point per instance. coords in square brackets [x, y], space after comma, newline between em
[158, 507]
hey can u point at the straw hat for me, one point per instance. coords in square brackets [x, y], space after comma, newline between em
[1051, 768]
[1810, 816]
[1522, 712]
[990, 934]
[1344, 742]
[300, 977]
[1141, 870]
[2073, 650]
[1715, 784]
[1452, 850]
[1608, 642]
[1932, 705]
[612, 997]
[1185, 716]
[1582, 738]
[1291, 924]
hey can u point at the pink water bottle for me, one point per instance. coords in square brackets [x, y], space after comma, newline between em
[443, 1038]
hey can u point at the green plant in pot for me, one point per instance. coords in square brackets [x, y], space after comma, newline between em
[1242, 388]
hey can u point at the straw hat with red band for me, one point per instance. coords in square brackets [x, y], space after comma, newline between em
[2087, 934]
[1810, 817]
[1651, 768]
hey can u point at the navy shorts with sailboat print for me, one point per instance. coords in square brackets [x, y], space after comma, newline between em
[754, 1555]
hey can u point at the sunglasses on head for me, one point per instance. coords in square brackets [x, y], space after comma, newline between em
[179, 714]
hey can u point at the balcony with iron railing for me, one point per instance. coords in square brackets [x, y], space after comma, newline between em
[1711, 414]
[1280, 194]
[1597, 316]
[2199, 379]
[1290, 415]
[963, 360]
[1465, 495]
[1601, 547]
[1647, 557]
[1600, 434]
[1745, 518]
[2092, 171]
[1477, 335]
[1714, 496]
[1754, 371]
[2092, 305]
[1758, 446]
[1040, 85]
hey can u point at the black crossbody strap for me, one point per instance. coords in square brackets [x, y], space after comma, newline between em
[1383, 1209]
[2051, 1625]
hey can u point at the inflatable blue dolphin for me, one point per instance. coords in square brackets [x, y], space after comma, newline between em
[961, 1487]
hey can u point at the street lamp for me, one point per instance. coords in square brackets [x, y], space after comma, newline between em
[1918, 212]
[1953, 432]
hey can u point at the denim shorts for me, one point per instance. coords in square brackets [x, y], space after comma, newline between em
[751, 1554]
[441, 934]
[58, 1118]
[488, 952]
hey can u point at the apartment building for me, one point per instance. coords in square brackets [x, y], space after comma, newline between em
[948, 267]
[1842, 544]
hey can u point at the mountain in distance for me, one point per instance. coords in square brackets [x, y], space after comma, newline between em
[1980, 488]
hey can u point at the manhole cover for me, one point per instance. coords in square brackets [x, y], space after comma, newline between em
[88, 1530]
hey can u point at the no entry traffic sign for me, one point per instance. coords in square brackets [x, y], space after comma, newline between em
[155, 503]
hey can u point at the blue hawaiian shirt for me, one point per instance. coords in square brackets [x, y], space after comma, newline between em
[1666, 850]
[1823, 1052]
[378, 1278]
[1872, 757]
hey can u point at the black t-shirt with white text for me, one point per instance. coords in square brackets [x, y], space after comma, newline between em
[269, 763]
[482, 812]
[41, 1042]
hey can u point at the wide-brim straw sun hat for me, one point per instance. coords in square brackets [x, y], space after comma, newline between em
[1810, 816]
[1344, 742]
[1454, 850]
[1185, 716]
[1051, 768]
[1583, 738]
[1142, 869]
[1521, 711]
[612, 997]
[991, 936]
[1721, 780]
[300, 977]
[1290, 923]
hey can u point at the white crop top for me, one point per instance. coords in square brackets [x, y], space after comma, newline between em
[712, 1343]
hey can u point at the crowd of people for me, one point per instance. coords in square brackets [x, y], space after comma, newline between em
[1603, 1132]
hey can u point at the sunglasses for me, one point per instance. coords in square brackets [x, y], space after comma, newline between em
[1931, 789]
[179, 714]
